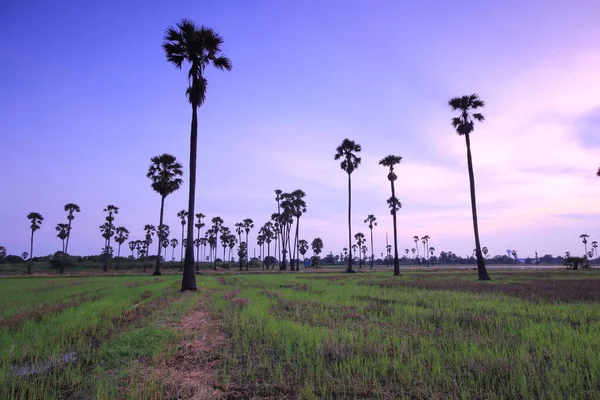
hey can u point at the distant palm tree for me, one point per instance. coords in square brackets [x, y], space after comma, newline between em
[248, 225]
[198, 225]
[416, 240]
[464, 125]
[183, 215]
[24, 255]
[174, 243]
[360, 241]
[197, 243]
[2, 253]
[391, 161]
[298, 209]
[371, 221]
[425, 240]
[150, 230]
[165, 173]
[63, 234]
[413, 251]
[199, 46]
[350, 162]
[36, 222]
[317, 247]
[584, 236]
[431, 251]
[71, 208]
[132, 247]
[225, 232]
[231, 242]
[216, 228]
[239, 228]
[595, 246]
[302, 249]
[122, 236]
[109, 232]
[485, 251]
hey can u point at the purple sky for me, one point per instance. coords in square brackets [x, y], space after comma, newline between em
[87, 98]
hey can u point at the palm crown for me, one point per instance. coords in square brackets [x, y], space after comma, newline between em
[371, 220]
[36, 220]
[199, 46]
[72, 208]
[464, 123]
[345, 151]
[182, 215]
[390, 161]
[165, 172]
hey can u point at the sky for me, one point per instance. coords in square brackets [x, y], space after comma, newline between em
[87, 98]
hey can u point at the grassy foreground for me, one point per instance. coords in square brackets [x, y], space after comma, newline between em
[528, 335]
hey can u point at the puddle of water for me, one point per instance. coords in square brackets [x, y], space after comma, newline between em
[28, 369]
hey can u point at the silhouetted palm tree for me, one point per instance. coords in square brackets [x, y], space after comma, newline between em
[391, 161]
[174, 243]
[198, 225]
[464, 125]
[360, 240]
[107, 230]
[347, 153]
[216, 228]
[584, 236]
[248, 225]
[225, 232]
[63, 234]
[371, 221]
[425, 241]
[298, 209]
[302, 249]
[416, 240]
[71, 208]
[132, 246]
[122, 236]
[200, 47]
[165, 173]
[149, 230]
[317, 247]
[485, 251]
[595, 246]
[182, 215]
[36, 222]
[111, 211]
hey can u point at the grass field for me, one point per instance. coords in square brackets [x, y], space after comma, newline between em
[529, 335]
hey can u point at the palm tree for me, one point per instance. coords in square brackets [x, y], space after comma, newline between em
[197, 243]
[360, 240]
[239, 228]
[298, 209]
[371, 220]
[431, 251]
[416, 240]
[174, 243]
[200, 47]
[485, 251]
[198, 225]
[182, 215]
[584, 236]
[225, 232]
[317, 247]
[231, 241]
[413, 251]
[464, 126]
[595, 246]
[216, 227]
[302, 249]
[71, 208]
[63, 233]
[347, 152]
[24, 255]
[2, 253]
[36, 222]
[165, 173]
[391, 161]
[425, 241]
[149, 232]
[248, 225]
[132, 247]
[109, 232]
[122, 236]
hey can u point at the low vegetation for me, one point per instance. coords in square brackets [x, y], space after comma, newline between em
[329, 335]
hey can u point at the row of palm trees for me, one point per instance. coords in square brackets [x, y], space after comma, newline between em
[594, 251]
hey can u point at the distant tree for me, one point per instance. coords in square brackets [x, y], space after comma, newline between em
[132, 247]
[200, 47]
[431, 251]
[203, 243]
[183, 216]
[198, 225]
[317, 247]
[485, 251]
[109, 231]
[63, 234]
[225, 232]
[464, 126]
[425, 241]
[2, 253]
[24, 256]
[364, 250]
[71, 209]
[197, 243]
[165, 174]
[174, 243]
[360, 241]
[216, 227]
[416, 240]
[36, 222]
[231, 242]
[239, 228]
[371, 221]
[248, 225]
[413, 251]
[242, 251]
[149, 230]
[595, 247]
[584, 236]
[122, 236]
[514, 254]
[350, 162]
[302, 249]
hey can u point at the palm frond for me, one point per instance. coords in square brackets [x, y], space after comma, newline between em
[223, 63]
[478, 116]
[455, 103]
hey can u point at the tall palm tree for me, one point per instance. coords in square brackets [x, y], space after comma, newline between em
[595, 246]
[360, 241]
[275, 219]
[111, 211]
[120, 238]
[248, 225]
[239, 228]
[584, 236]
[36, 222]
[416, 240]
[71, 208]
[199, 46]
[63, 234]
[149, 230]
[216, 228]
[299, 208]
[347, 153]
[302, 249]
[107, 230]
[182, 215]
[198, 225]
[425, 241]
[165, 174]
[391, 161]
[371, 221]
[174, 243]
[464, 125]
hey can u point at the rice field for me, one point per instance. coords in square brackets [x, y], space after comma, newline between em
[424, 335]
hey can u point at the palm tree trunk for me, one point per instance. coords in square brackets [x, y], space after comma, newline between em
[396, 260]
[247, 252]
[68, 236]
[188, 282]
[240, 240]
[118, 255]
[349, 269]
[30, 254]
[297, 257]
[181, 256]
[159, 238]
[372, 251]
[198, 252]
[482, 271]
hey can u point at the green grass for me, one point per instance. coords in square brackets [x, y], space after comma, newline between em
[311, 336]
